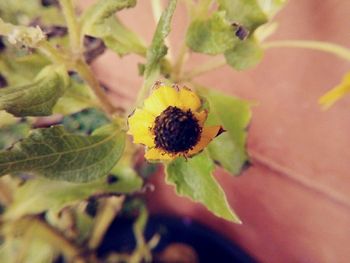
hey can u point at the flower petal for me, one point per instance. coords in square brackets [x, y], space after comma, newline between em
[189, 99]
[207, 135]
[201, 117]
[140, 124]
[160, 99]
[156, 154]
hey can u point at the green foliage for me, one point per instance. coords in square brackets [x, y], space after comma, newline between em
[20, 69]
[193, 178]
[211, 35]
[245, 12]
[40, 195]
[9, 134]
[234, 115]
[38, 97]
[246, 54]
[56, 154]
[118, 37]
[77, 97]
[85, 121]
[271, 7]
[158, 49]
[99, 12]
[22, 12]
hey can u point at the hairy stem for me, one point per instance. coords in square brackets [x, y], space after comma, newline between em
[328, 47]
[72, 24]
[157, 13]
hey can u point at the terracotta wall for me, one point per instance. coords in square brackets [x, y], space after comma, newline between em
[295, 199]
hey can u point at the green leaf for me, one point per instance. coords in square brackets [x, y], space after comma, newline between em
[118, 37]
[21, 12]
[234, 115]
[158, 49]
[39, 195]
[193, 178]
[86, 121]
[37, 98]
[12, 133]
[213, 35]
[246, 54]
[245, 12]
[56, 154]
[19, 70]
[77, 97]
[271, 7]
[99, 12]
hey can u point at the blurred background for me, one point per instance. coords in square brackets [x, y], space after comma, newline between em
[294, 200]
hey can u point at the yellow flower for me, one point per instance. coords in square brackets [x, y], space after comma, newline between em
[171, 124]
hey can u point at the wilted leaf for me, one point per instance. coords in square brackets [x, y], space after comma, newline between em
[40, 194]
[56, 154]
[158, 49]
[339, 91]
[213, 35]
[234, 115]
[246, 54]
[193, 178]
[99, 12]
[245, 12]
[38, 97]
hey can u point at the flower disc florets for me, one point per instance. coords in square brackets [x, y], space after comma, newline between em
[176, 130]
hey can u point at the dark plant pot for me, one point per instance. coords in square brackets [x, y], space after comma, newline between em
[206, 244]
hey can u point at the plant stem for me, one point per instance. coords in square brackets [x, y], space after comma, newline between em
[51, 53]
[180, 60]
[72, 24]
[328, 47]
[39, 228]
[107, 213]
[210, 65]
[87, 75]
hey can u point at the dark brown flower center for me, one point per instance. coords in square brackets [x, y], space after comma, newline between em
[176, 130]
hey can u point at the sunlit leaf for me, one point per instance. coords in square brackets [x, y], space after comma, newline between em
[56, 154]
[212, 35]
[246, 54]
[36, 98]
[193, 178]
[338, 92]
[234, 115]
